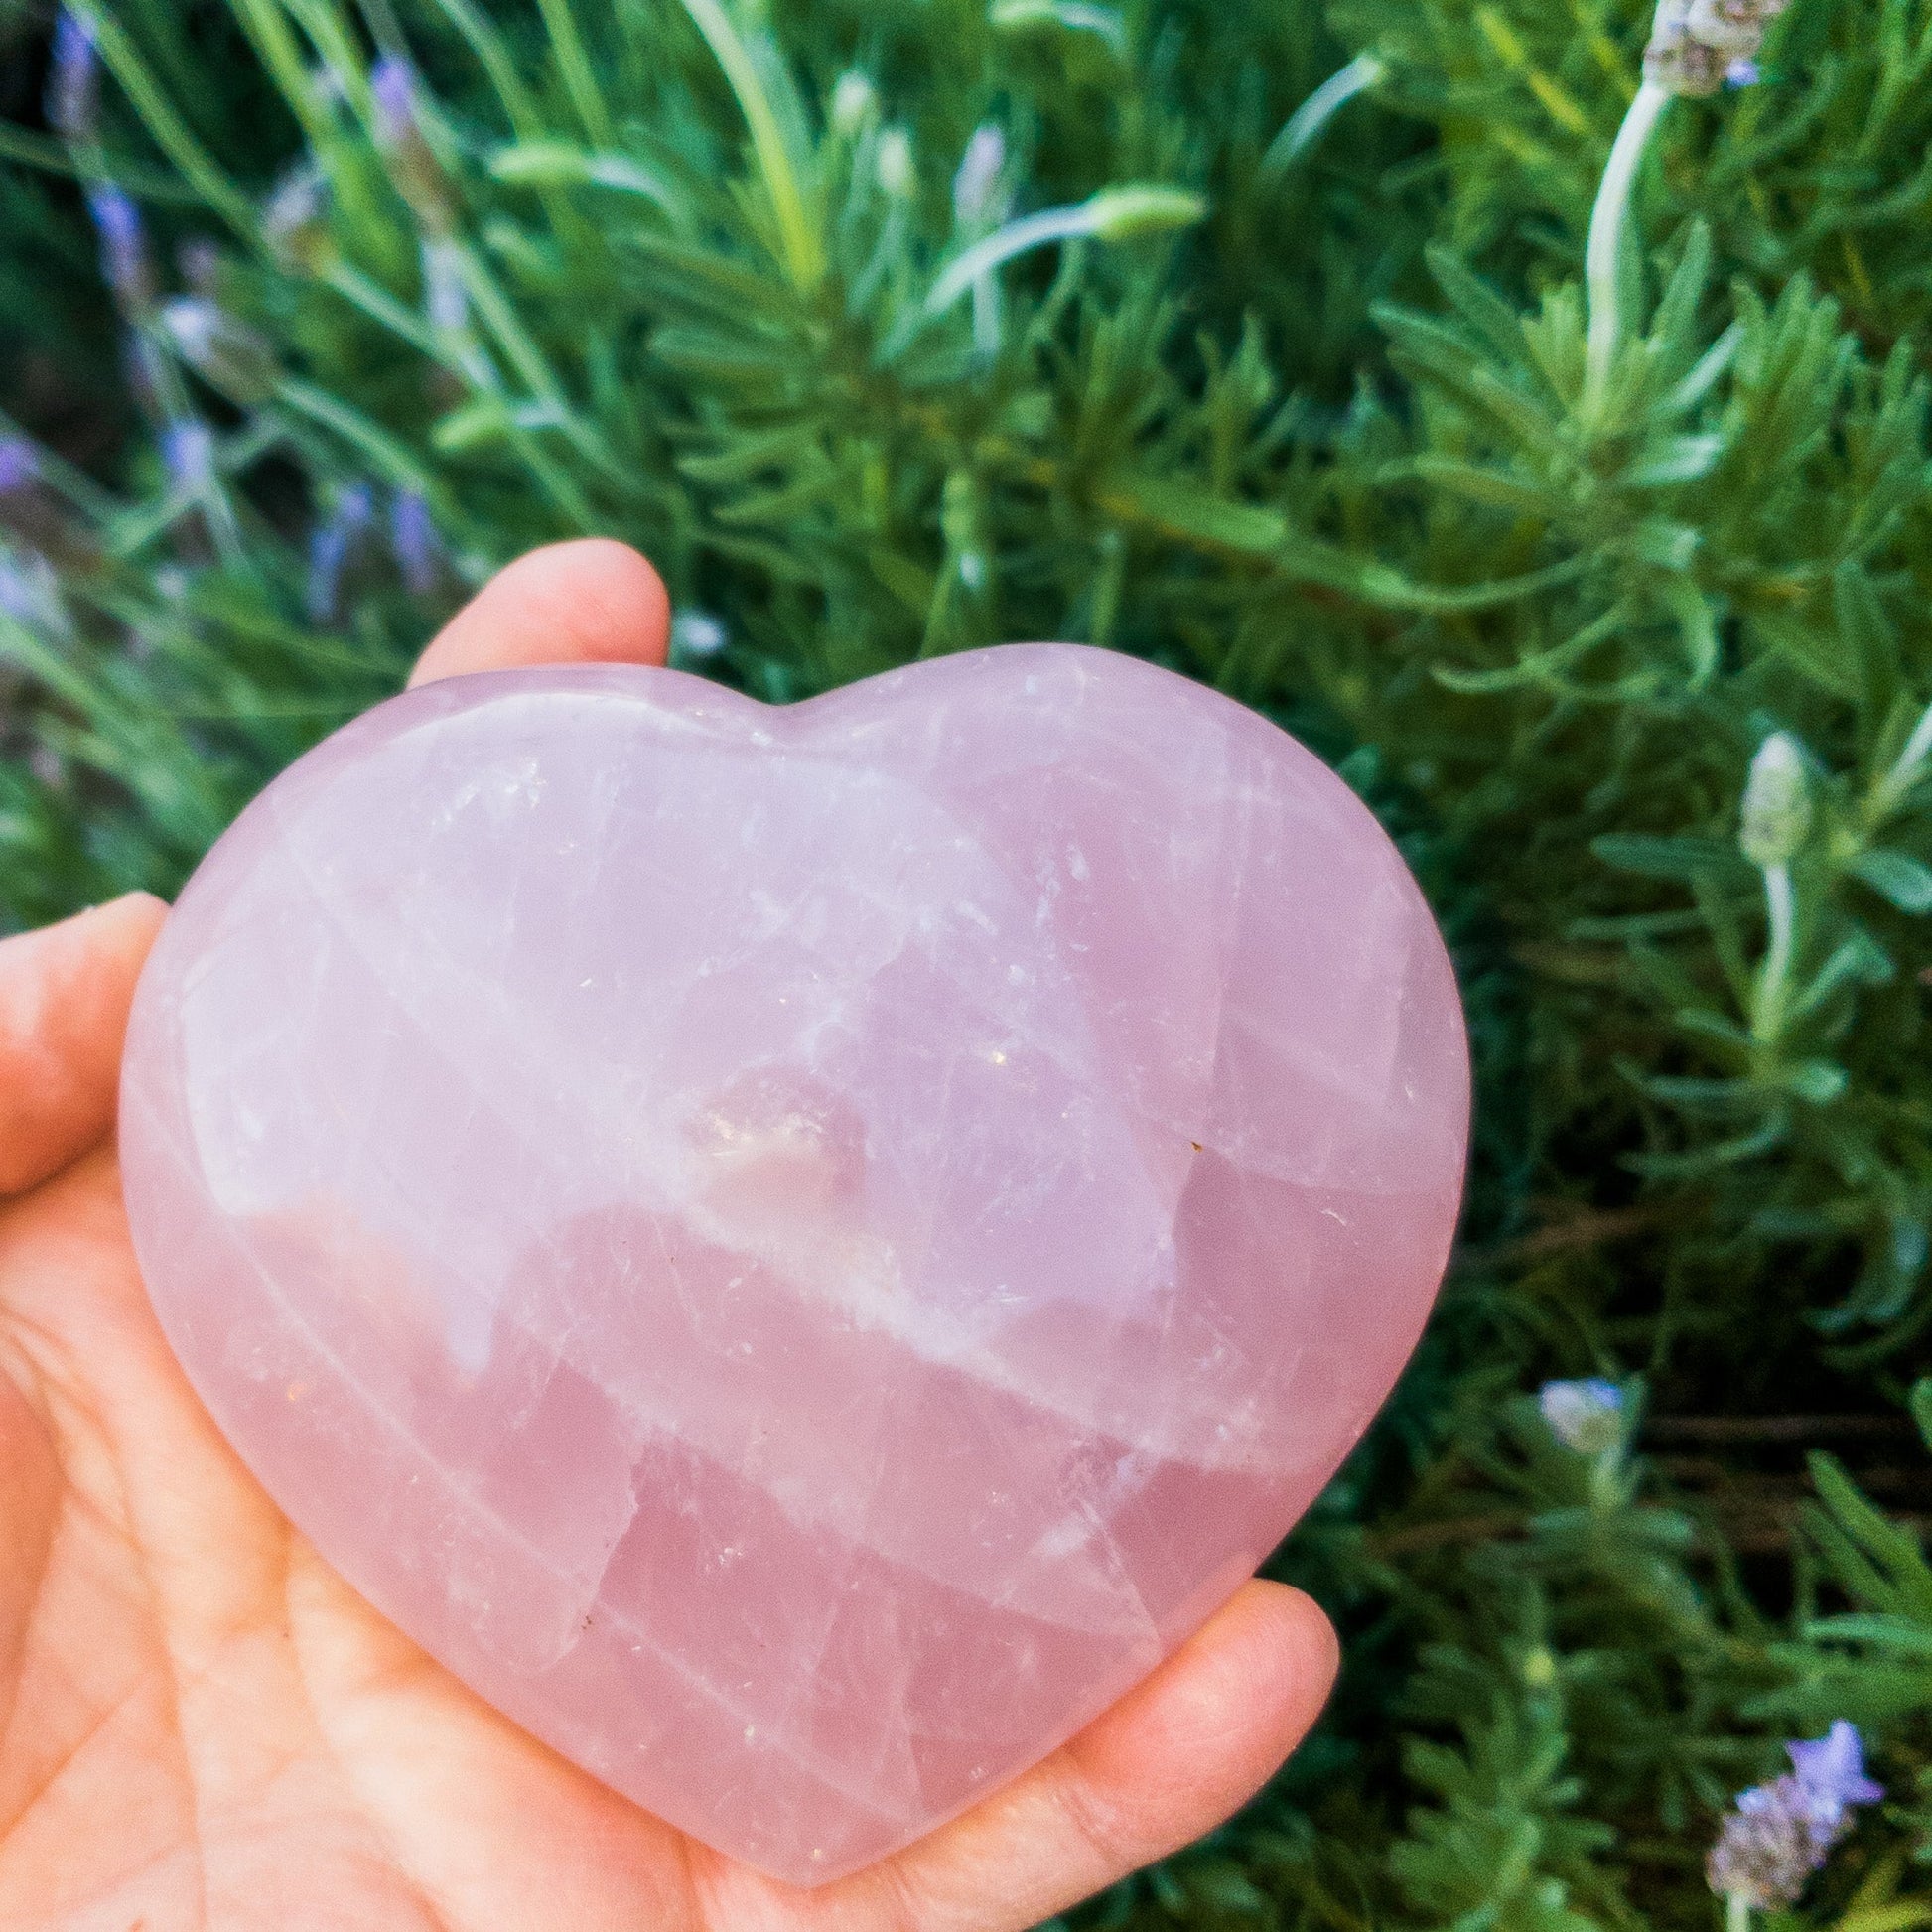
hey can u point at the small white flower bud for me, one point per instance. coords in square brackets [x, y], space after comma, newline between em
[295, 219]
[896, 175]
[446, 299]
[228, 354]
[1587, 1416]
[855, 101]
[695, 635]
[978, 179]
[1778, 802]
[1114, 214]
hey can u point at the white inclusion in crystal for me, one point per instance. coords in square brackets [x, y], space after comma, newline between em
[526, 785]
[1076, 863]
[1072, 1532]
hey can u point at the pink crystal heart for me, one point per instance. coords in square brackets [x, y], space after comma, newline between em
[799, 1251]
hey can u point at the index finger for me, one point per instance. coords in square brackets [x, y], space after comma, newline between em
[64, 992]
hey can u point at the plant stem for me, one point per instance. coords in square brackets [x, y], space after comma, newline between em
[1146, 208]
[1603, 250]
[1737, 1912]
[1302, 128]
[1904, 770]
[574, 63]
[804, 256]
[1780, 909]
[1016, 239]
[501, 317]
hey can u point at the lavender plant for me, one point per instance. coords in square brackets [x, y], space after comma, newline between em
[1524, 403]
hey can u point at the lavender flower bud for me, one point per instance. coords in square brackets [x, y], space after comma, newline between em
[30, 593]
[226, 353]
[74, 81]
[295, 219]
[1697, 45]
[445, 299]
[854, 102]
[187, 450]
[200, 262]
[392, 89]
[141, 363]
[330, 549]
[695, 636]
[1587, 1417]
[19, 465]
[1777, 803]
[894, 163]
[413, 165]
[412, 535]
[975, 188]
[123, 245]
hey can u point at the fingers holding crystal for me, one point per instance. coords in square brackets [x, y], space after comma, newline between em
[589, 602]
[1171, 1761]
[64, 999]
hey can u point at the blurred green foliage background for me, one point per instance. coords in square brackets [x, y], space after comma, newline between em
[313, 313]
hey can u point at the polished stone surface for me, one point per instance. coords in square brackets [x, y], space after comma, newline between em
[800, 1252]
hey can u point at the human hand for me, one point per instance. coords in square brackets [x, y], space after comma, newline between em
[201, 1725]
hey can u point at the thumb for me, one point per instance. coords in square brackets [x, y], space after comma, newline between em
[589, 602]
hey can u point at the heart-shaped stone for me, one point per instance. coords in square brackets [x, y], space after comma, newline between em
[799, 1251]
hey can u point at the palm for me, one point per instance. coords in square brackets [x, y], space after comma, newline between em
[201, 1725]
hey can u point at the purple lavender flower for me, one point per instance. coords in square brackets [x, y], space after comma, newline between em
[30, 594]
[1831, 1770]
[392, 88]
[412, 535]
[1696, 46]
[123, 244]
[413, 165]
[19, 465]
[188, 448]
[17, 598]
[331, 546]
[1784, 1831]
[142, 367]
[74, 79]
[1587, 1416]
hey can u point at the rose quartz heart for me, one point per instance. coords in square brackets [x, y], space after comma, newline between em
[798, 1252]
